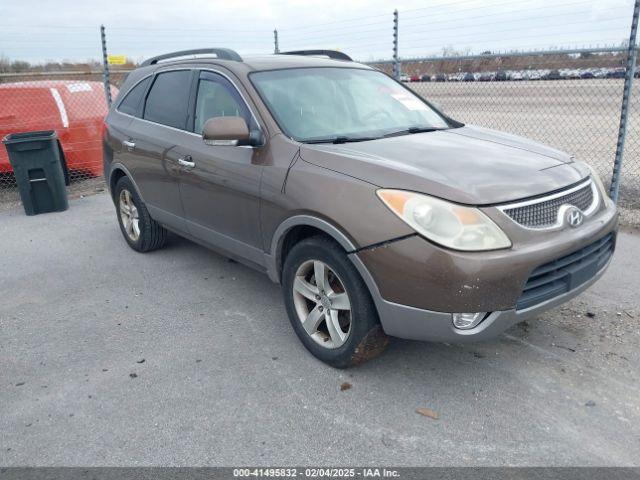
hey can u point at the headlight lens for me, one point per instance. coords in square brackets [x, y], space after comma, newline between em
[604, 194]
[448, 224]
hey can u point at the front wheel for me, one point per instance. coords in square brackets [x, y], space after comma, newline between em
[329, 305]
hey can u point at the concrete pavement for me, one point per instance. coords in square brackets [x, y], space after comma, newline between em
[180, 357]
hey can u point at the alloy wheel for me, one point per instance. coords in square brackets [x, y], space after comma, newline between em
[129, 215]
[322, 304]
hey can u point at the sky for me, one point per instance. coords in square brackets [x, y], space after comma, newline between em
[38, 31]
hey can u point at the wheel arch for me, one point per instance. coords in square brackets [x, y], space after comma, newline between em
[117, 172]
[296, 228]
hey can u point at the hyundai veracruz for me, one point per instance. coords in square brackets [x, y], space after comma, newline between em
[378, 214]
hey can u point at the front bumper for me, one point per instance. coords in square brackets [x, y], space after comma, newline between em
[412, 323]
[417, 285]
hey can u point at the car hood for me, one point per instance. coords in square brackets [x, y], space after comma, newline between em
[470, 165]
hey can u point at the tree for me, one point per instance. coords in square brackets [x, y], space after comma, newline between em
[20, 66]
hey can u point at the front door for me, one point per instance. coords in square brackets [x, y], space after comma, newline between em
[221, 190]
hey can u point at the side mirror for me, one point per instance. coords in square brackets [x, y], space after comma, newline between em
[230, 131]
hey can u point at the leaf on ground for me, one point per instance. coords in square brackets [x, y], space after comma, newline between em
[427, 412]
[345, 386]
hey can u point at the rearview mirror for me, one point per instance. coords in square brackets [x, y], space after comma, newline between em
[230, 131]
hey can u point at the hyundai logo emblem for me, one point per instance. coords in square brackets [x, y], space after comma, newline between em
[574, 217]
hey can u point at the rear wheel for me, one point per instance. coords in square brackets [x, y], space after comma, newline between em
[329, 305]
[141, 232]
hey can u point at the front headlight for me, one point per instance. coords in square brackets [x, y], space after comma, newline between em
[604, 194]
[448, 224]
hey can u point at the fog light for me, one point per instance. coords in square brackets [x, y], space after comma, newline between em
[465, 321]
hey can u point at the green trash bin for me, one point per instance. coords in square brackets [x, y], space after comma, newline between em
[37, 166]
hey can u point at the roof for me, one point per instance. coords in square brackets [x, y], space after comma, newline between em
[269, 62]
[266, 62]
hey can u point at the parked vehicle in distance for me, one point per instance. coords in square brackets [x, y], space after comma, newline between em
[405, 78]
[515, 76]
[518, 75]
[415, 78]
[468, 77]
[575, 74]
[534, 75]
[552, 75]
[615, 73]
[74, 109]
[600, 72]
[378, 214]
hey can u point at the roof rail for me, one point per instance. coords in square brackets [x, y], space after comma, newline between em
[221, 53]
[334, 54]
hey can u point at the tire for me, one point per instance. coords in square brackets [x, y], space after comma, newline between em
[148, 235]
[365, 338]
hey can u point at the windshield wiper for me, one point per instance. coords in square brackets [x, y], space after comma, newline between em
[412, 130]
[346, 139]
[341, 139]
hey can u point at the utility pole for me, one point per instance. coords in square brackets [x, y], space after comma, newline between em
[396, 60]
[105, 66]
[276, 47]
[632, 51]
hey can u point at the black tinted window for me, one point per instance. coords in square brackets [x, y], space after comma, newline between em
[167, 102]
[132, 103]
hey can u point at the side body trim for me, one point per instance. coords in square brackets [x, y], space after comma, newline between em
[227, 244]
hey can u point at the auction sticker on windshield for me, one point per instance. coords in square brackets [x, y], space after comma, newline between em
[408, 101]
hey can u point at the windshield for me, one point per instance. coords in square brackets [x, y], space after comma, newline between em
[343, 104]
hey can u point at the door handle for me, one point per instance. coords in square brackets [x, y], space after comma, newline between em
[128, 144]
[186, 162]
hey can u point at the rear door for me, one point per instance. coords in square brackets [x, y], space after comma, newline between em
[156, 145]
[119, 120]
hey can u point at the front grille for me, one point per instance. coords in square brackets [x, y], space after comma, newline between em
[564, 274]
[544, 213]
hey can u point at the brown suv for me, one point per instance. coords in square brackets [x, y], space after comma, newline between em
[377, 213]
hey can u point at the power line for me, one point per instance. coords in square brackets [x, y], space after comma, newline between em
[442, 44]
[520, 28]
[496, 14]
[406, 21]
[418, 35]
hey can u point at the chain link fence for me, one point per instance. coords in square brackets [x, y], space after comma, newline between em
[71, 103]
[571, 101]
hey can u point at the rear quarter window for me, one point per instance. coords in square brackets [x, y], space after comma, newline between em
[132, 102]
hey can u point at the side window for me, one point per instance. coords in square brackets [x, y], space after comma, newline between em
[168, 99]
[217, 97]
[132, 103]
